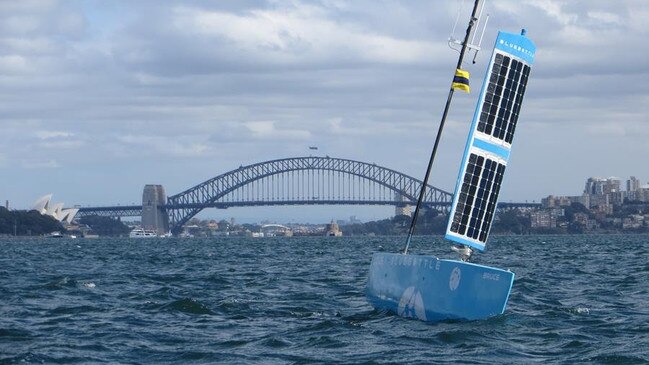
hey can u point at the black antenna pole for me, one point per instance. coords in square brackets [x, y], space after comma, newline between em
[441, 127]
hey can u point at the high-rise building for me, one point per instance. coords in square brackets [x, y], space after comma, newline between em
[612, 185]
[633, 189]
[642, 194]
[604, 191]
[594, 186]
[600, 186]
[633, 184]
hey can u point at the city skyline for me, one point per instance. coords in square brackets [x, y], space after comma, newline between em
[601, 193]
[101, 99]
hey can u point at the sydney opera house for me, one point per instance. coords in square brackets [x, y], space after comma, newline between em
[45, 206]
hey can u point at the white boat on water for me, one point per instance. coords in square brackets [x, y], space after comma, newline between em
[142, 233]
[58, 234]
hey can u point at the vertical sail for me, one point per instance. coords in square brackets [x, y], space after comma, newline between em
[490, 140]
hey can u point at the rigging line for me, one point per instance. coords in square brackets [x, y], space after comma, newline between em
[457, 19]
[422, 191]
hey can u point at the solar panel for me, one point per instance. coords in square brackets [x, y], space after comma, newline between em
[490, 140]
[478, 195]
[502, 102]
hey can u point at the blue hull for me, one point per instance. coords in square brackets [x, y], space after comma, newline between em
[432, 289]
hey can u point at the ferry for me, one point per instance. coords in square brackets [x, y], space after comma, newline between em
[142, 233]
[58, 234]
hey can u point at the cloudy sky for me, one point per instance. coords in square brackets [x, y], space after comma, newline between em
[102, 97]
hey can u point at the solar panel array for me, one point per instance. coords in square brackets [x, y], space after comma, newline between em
[503, 97]
[478, 197]
[494, 124]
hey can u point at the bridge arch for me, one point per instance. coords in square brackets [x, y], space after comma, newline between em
[274, 225]
[185, 205]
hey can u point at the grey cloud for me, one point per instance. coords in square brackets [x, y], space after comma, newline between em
[140, 83]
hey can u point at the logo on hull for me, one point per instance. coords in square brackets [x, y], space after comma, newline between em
[454, 281]
[411, 304]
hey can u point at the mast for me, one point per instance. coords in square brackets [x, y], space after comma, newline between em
[422, 192]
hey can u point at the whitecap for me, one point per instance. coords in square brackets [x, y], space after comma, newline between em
[582, 310]
[89, 285]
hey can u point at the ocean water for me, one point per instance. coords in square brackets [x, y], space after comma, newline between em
[295, 300]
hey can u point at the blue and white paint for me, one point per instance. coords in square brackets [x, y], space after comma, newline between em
[432, 289]
[516, 47]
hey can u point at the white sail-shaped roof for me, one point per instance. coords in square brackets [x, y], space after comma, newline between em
[41, 205]
[44, 206]
[67, 215]
[54, 210]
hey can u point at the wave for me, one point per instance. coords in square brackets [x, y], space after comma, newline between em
[187, 305]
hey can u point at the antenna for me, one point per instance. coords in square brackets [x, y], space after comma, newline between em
[456, 44]
[478, 22]
[451, 38]
[481, 36]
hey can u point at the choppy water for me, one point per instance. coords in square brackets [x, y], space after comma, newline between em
[576, 299]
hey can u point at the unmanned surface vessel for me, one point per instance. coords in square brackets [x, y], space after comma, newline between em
[433, 289]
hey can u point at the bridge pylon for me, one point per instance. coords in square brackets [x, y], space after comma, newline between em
[404, 208]
[154, 215]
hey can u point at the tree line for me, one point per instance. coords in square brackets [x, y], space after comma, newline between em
[27, 223]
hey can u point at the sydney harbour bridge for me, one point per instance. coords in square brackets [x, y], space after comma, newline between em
[288, 181]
